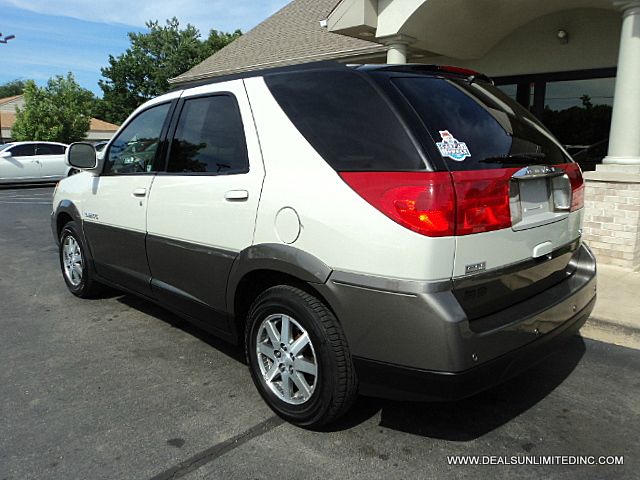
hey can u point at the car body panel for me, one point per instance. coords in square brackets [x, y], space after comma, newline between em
[115, 224]
[330, 212]
[197, 223]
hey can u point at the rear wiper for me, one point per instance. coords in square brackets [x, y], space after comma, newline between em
[515, 158]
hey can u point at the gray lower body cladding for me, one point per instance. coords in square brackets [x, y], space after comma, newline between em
[421, 327]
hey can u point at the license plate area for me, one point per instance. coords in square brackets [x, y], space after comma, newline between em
[538, 196]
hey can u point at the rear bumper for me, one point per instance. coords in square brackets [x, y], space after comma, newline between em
[380, 379]
[413, 340]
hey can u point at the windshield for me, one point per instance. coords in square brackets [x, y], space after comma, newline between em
[476, 126]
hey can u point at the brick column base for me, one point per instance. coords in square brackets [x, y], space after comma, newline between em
[612, 214]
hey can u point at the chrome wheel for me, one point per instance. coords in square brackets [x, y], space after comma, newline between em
[72, 260]
[287, 359]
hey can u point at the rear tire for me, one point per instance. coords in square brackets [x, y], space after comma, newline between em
[77, 270]
[308, 377]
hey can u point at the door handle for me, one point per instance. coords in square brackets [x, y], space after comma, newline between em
[140, 192]
[232, 195]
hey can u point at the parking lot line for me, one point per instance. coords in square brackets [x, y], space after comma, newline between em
[26, 196]
[25, 202]
[31, 197]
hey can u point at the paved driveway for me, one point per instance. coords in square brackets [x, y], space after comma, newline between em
[119, 388]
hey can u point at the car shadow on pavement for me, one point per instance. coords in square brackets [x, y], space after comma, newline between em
[153, 310]
[460, 421]
[468, 419]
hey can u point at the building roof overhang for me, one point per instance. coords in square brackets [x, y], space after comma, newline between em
[463, 29]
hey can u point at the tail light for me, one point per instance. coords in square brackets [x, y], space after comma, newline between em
[483, 200]
[577, 185]
[438, 204]
[420, 201]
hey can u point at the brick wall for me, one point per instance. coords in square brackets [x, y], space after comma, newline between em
[612, 220]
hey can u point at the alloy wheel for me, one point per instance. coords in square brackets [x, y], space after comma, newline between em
[72, 260]
[287, 359]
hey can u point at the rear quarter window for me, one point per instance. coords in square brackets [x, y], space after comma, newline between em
[47, 149]
[345, 120]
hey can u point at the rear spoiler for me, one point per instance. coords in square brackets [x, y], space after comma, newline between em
[468, 74]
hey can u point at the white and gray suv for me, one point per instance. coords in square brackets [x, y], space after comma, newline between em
[401, 231]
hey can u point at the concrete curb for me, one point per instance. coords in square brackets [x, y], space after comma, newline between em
[610, 331]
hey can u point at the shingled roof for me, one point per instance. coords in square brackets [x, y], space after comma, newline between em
[290, 36]
[9, 99]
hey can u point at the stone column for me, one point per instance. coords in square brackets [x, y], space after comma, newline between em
[397, 53]
[612, 193]
[397, 47]
[624, 138]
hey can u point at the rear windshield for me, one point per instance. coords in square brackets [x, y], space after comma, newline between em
[476, 126]
[344, 118]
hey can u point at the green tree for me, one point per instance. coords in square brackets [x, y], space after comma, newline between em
[586, 101]
[14, 87]
[58, 112]
[144, 69]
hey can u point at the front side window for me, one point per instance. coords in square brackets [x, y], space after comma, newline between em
[27, 150]
[209, 137]
[134, 149]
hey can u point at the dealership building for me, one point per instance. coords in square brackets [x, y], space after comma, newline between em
[575, 64]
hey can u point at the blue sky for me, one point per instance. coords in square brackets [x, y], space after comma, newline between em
[54, 37]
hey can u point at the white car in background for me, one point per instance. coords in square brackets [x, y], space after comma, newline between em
[33, 162]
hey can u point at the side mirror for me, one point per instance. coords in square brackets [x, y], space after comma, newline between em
[81, 155]
[5, 155]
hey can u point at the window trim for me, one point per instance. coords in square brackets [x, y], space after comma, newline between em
[161, 140]
[174, 126]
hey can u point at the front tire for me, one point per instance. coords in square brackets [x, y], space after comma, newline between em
[76, 269]
[298, 357]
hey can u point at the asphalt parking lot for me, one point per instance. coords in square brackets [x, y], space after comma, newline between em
[119, 388]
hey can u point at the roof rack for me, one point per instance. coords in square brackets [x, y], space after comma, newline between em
[469, 75]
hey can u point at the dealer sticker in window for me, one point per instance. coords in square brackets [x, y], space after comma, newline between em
[451, 147]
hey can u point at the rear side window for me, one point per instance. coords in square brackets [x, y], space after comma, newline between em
[475, 126]
[345, 119]
[23, 150]
[209, 137]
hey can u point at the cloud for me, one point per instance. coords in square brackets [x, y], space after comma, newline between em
[222, 15]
